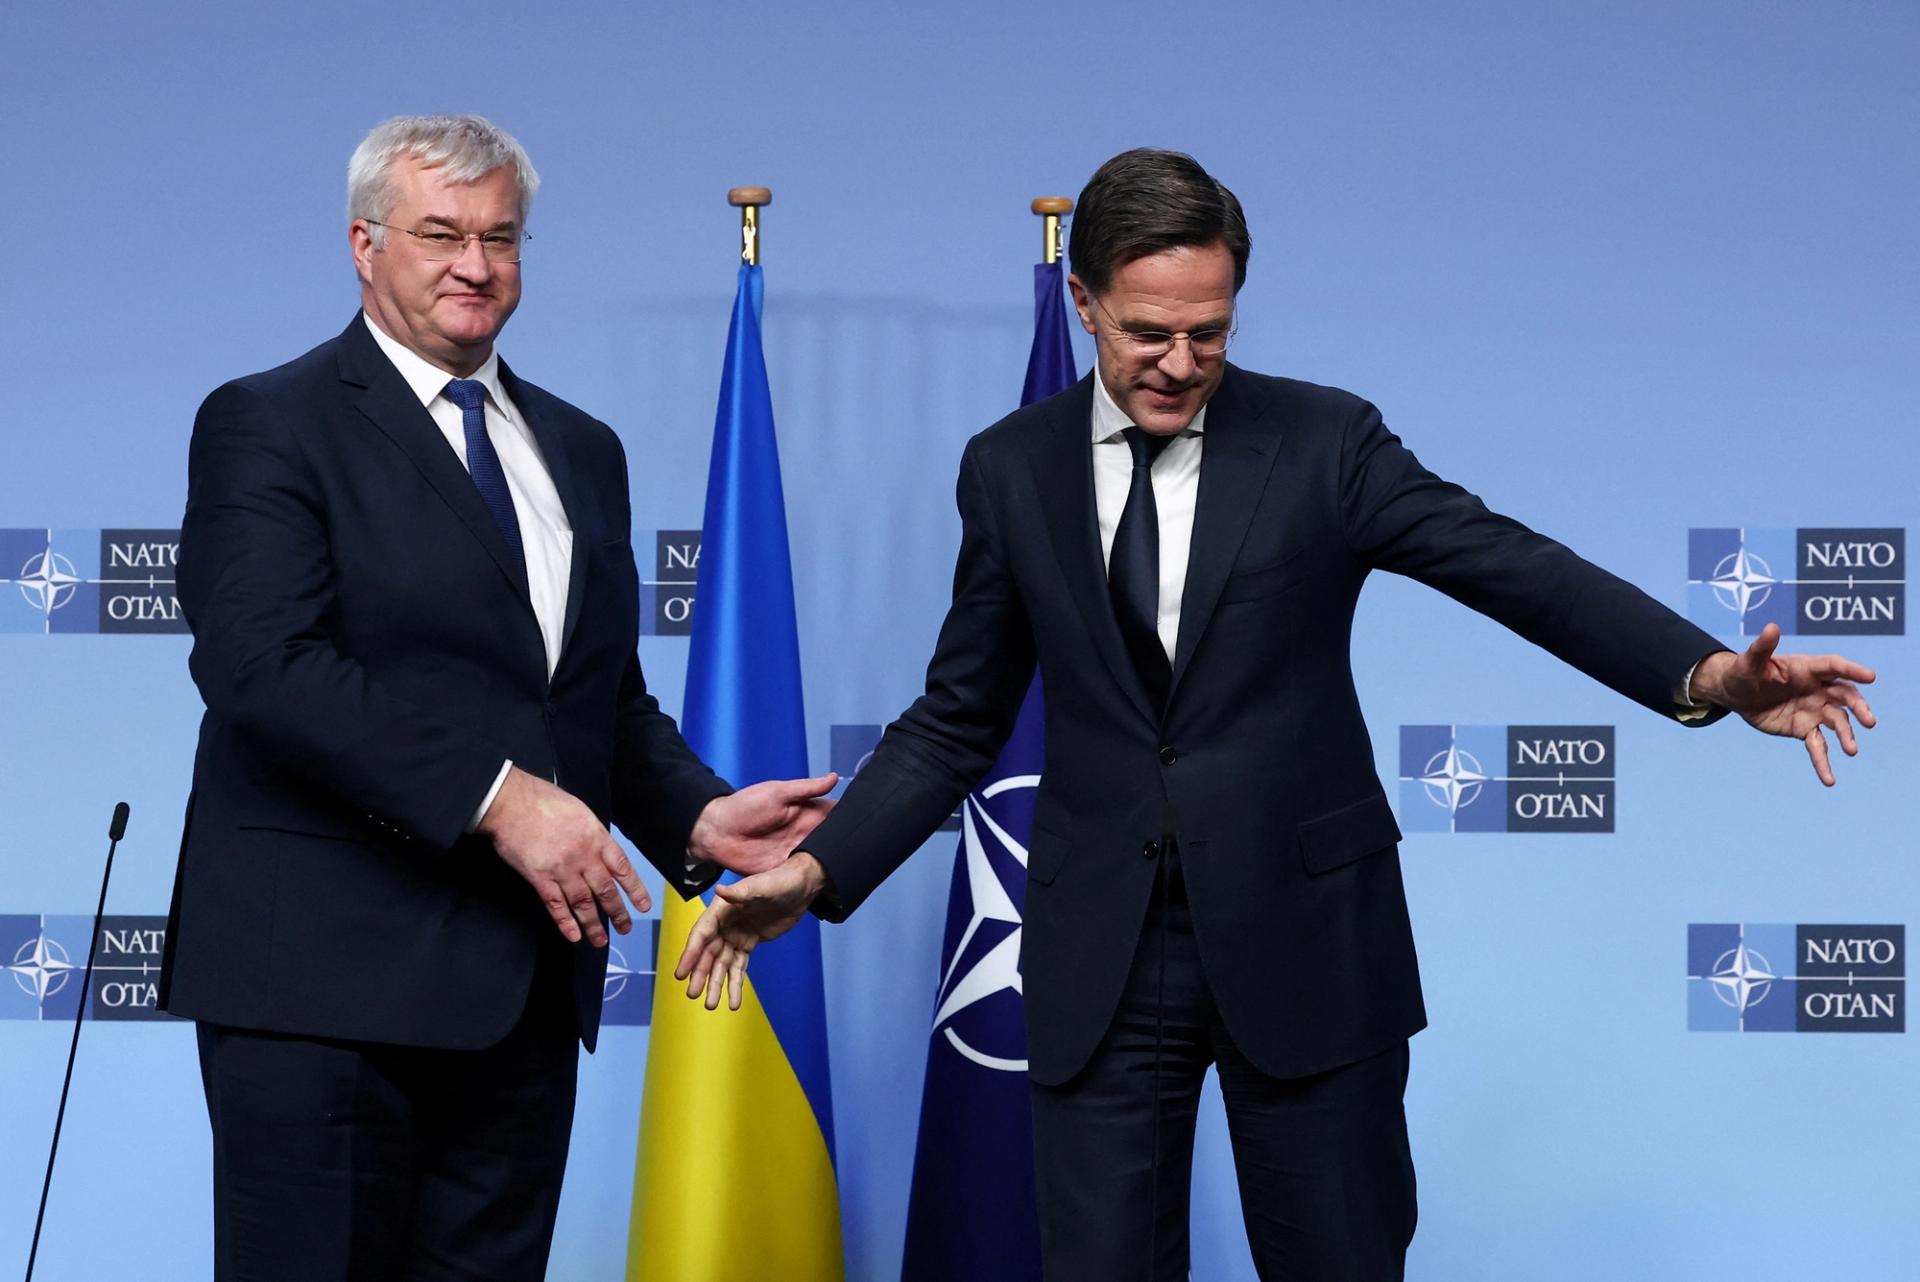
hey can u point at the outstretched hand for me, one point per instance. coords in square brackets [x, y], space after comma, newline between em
[754, 829]
[743, 915]
[1798, 696]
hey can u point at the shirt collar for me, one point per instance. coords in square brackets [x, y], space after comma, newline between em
[428, 380]
[1109, 420]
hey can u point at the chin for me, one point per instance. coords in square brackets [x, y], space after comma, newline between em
[1167, 420]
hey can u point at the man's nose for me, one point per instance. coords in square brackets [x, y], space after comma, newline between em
[473, 263]
[1178, 363]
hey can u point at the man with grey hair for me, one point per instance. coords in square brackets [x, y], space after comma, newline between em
[415, 612]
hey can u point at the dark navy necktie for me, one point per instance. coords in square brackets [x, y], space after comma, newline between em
[488, 476]
[1133, 568]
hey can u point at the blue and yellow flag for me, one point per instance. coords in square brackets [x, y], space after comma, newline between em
[972, 1212]
[735, 1174]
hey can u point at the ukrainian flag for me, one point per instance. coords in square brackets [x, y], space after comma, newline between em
[735, 1180]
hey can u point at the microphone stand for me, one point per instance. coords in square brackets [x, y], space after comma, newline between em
[115, 831]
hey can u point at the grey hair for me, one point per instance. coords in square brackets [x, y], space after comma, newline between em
[465, 148]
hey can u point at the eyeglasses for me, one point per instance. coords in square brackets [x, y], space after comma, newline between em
[439, 245]
[1153, 343]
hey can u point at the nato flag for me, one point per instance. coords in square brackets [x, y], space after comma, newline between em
[972, 1214]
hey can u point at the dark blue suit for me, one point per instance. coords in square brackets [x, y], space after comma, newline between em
[368, 655]
[1259, 768]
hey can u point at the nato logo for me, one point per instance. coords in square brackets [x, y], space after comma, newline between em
[849, 748]
[666, 599]
[1824, 582]
[978, 1009]
[1796, 979]
[628, 995]
[45, 957]
[1506, 778]
[118, 581]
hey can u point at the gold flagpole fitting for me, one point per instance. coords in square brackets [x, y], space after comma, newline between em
[749, 201]
[1052, 209]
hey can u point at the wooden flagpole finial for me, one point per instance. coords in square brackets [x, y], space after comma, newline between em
[1052, 209]
[749, 201]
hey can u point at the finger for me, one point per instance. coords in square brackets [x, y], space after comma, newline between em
[1762, 648]
[818, 786]
[556, 905]
[703, 967]
[697, 939]
[1856, 704]
[586, 910]
[736, 979]
[1833, 667]
[625, 873]
[717, 982]
[741, 892]
[607, 895]
[1817, 749]
[1836, 716]
[696, 959]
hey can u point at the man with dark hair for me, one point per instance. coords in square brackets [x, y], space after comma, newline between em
[1178, 545]
[414, 614]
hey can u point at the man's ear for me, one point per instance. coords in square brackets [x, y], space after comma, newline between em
[360, 241]
[1082, 302]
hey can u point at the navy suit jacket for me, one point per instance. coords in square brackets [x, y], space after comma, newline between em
[1260, 762]
[368, 655]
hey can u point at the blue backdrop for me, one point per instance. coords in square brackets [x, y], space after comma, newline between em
[1629, 270]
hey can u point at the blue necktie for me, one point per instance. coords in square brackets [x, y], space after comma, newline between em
[488, 476]
[1133, 569]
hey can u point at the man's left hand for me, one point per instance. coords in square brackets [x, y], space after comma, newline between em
[755, 828]
[1798, 696]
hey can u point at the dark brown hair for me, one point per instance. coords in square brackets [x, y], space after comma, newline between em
[1146, 200]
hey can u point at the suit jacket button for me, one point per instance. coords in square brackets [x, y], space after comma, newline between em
[1152, 851]
[1168, 756]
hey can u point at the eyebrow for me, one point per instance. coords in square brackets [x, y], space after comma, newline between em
[1213, 323]
[505, 224]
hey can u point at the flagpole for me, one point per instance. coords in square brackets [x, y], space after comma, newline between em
[1052, 209]
[750, 200]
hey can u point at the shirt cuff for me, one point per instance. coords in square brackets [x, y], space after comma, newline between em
[486, 802]
[1684, 705]
[697, 875]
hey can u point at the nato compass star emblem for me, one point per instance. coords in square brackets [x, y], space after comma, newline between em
[1742, 581]
[618, 972]
[1742, 978]
[41, 968]
[986, 959]
[48, 581]
[1453, 779]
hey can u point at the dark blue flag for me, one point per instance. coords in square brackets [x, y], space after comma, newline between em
[972, 1213]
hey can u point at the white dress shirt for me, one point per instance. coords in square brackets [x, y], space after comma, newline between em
[1176, 487]
[546, 536]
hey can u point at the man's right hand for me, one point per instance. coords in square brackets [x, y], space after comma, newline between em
[549, 837]
[743, 915]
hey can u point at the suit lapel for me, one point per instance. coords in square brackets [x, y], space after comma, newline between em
[1235, 464]
[391, 406]
[565, 482]
[1065, 483]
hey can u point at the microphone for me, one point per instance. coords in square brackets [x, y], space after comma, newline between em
[115, 831]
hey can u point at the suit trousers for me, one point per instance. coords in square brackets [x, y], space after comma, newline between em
[338, 1161]
[1326, 1178]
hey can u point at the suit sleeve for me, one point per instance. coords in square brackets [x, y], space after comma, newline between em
[659, 784]
[982, 665]
[255, 580]
[1399, 516]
